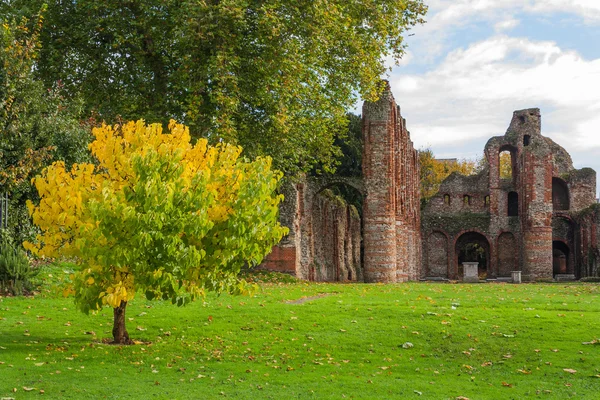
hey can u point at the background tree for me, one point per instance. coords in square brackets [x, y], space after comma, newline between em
[157, 216]
[37, 125]
[273, 76]
[435, 171]
[505, 169]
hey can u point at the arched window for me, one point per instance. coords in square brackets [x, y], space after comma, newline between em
[526, 140]
[447, 199]
[513, 204]
[467, 200]
[486, 200]
[505, 166]
[560, 194]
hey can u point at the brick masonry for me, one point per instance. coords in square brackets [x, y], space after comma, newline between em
[553, 227]
[542, 221]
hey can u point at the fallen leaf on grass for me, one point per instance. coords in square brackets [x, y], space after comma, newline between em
[570, 371]
[407, 345]
[595, 341]
[486, 364]
[506, 384]
[28, 389]
[524, 371]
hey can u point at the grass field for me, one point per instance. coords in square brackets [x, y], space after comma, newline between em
[301, 340]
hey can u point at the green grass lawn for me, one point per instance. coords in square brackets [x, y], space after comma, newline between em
[307, 340]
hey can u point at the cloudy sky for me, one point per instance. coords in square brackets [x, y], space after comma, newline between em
[476, 61]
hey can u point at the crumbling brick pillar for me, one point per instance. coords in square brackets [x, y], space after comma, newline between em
[536, 196]
[379, 219]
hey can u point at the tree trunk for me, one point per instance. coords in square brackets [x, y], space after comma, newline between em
[120, 335]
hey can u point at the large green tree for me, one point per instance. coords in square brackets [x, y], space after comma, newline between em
[275, 76]
[37, 124]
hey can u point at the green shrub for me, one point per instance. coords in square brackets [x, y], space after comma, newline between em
[591, 279]
[15, 271]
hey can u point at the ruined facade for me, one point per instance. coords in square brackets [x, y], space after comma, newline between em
[540, 219]
[539, 216]
[324, 239]
[318, 249]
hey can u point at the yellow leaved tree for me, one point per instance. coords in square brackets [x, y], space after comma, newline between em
[156, 216]
[434, 171]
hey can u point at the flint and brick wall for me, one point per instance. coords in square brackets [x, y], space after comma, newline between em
[324, 242]
[391, 212]
[520, 221]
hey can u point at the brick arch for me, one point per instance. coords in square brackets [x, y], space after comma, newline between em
[437, 254]
[513, 159]
[564, 230]
[477, 238]
[321, 183]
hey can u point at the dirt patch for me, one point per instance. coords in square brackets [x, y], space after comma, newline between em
[303, 300]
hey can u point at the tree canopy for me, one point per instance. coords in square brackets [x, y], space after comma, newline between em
[37, 124]
[157, 216]
[276, 77]
[434, 171]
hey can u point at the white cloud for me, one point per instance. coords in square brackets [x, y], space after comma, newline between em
[445, 17]
[506, 24]
[405, 60]
[588, 9]
[471, 95]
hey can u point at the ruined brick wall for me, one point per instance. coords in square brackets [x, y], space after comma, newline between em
[582, 188]
[392, 239]
[535, 164]
[324, 243]
[336, 242]
[588, 224]
[285, 256]
[526, 218]
[459, 208]
[525, 222]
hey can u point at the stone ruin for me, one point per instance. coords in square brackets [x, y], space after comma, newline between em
[541, 220]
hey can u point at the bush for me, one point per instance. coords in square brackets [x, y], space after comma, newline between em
[590, 279]
[15, 271]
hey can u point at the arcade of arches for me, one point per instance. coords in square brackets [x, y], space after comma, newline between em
[527, 210]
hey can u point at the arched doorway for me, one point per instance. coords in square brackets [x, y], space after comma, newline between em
[564, 259]
[560, 258]
[472, 247]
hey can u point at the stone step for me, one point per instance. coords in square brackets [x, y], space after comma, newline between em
[564, 277]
